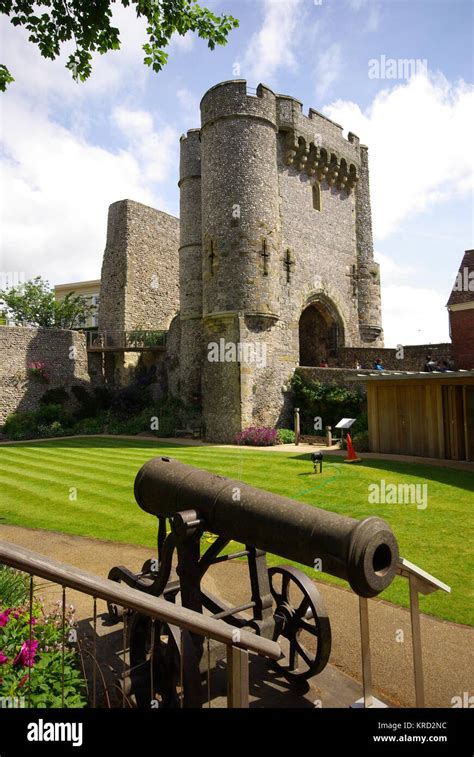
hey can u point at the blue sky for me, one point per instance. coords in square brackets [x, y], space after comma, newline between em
[67, 151]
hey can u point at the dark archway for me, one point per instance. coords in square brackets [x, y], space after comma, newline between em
[320, 333]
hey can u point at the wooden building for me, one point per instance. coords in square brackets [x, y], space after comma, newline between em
[426, 414]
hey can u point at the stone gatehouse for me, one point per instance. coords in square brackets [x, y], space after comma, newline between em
[269, 266]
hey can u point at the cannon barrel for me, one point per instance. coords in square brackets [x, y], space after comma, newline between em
[364, 553]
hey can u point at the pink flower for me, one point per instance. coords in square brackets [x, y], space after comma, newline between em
[4, 618]
[3, 658]
[26, 655]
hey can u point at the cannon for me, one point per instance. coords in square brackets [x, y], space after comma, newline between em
[285, 603]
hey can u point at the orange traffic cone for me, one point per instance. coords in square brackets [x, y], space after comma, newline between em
[351, 454]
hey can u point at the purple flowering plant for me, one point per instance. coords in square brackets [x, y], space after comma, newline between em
[31, 656]
[258, 437]
[37, 369]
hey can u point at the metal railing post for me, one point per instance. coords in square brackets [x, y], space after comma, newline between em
[237, 677]
[416, 642]
[365, 652]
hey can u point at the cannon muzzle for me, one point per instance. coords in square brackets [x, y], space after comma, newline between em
[364, 553]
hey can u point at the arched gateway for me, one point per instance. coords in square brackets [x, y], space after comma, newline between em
[321, 332]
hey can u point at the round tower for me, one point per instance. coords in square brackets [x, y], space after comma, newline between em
[240, 213]
[190, 266]
[241, 235]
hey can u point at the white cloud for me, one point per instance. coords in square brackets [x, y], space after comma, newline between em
[328, 69]
[156, 150]
[412, 312]
[184, 42]
[413, 315]
[56, 190]
[420, 146]
[273, 46]
[373, 19]
[190, 105]
[56, 183]
[40, 78]
[392, 271]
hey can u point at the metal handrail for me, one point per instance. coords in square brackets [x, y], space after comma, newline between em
[103, 588]
[419, 581]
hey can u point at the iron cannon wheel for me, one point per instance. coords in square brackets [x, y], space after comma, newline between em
[176, 679]
[299, 607]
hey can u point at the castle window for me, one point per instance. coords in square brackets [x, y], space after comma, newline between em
[212, 257]
[265, 257]
[316, 196]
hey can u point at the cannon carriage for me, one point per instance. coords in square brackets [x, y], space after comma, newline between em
[167, 663]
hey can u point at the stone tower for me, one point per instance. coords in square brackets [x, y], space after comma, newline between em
[276, 260]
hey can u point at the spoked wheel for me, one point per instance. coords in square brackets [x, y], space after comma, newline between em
[299, 608]
[164, 665]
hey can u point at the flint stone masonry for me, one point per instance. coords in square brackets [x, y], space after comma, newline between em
[275, 222]
[255, 253]
[414, 356]
[63, 352]
[139, 284]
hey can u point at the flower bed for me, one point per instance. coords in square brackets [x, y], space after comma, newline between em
[31, 651]
[258, 437]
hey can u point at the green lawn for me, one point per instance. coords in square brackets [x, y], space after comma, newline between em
[37, 481]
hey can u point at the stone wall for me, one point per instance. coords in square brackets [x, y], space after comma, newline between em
[414, 356]
[341, 376]
[140, 282]
[63, 352]
[140, 279]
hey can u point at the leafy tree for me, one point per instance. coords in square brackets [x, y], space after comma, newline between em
[52, 23]
[34, 304]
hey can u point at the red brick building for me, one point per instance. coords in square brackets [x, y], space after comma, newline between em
[461, 314]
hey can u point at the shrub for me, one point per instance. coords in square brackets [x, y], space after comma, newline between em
[103, 397]
[360, 426]
[327, 401]
[56, 396]
[131, 399]
[48, 414]
[90, 426]
[88, 405]
[134, 425]
[361, 441]
[20, 425]
[56, 429]
[258, 437]
[286, 436]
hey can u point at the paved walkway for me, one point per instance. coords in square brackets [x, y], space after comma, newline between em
[448, 662]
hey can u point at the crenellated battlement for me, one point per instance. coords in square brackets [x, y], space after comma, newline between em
[231, 99]
[319, 162]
